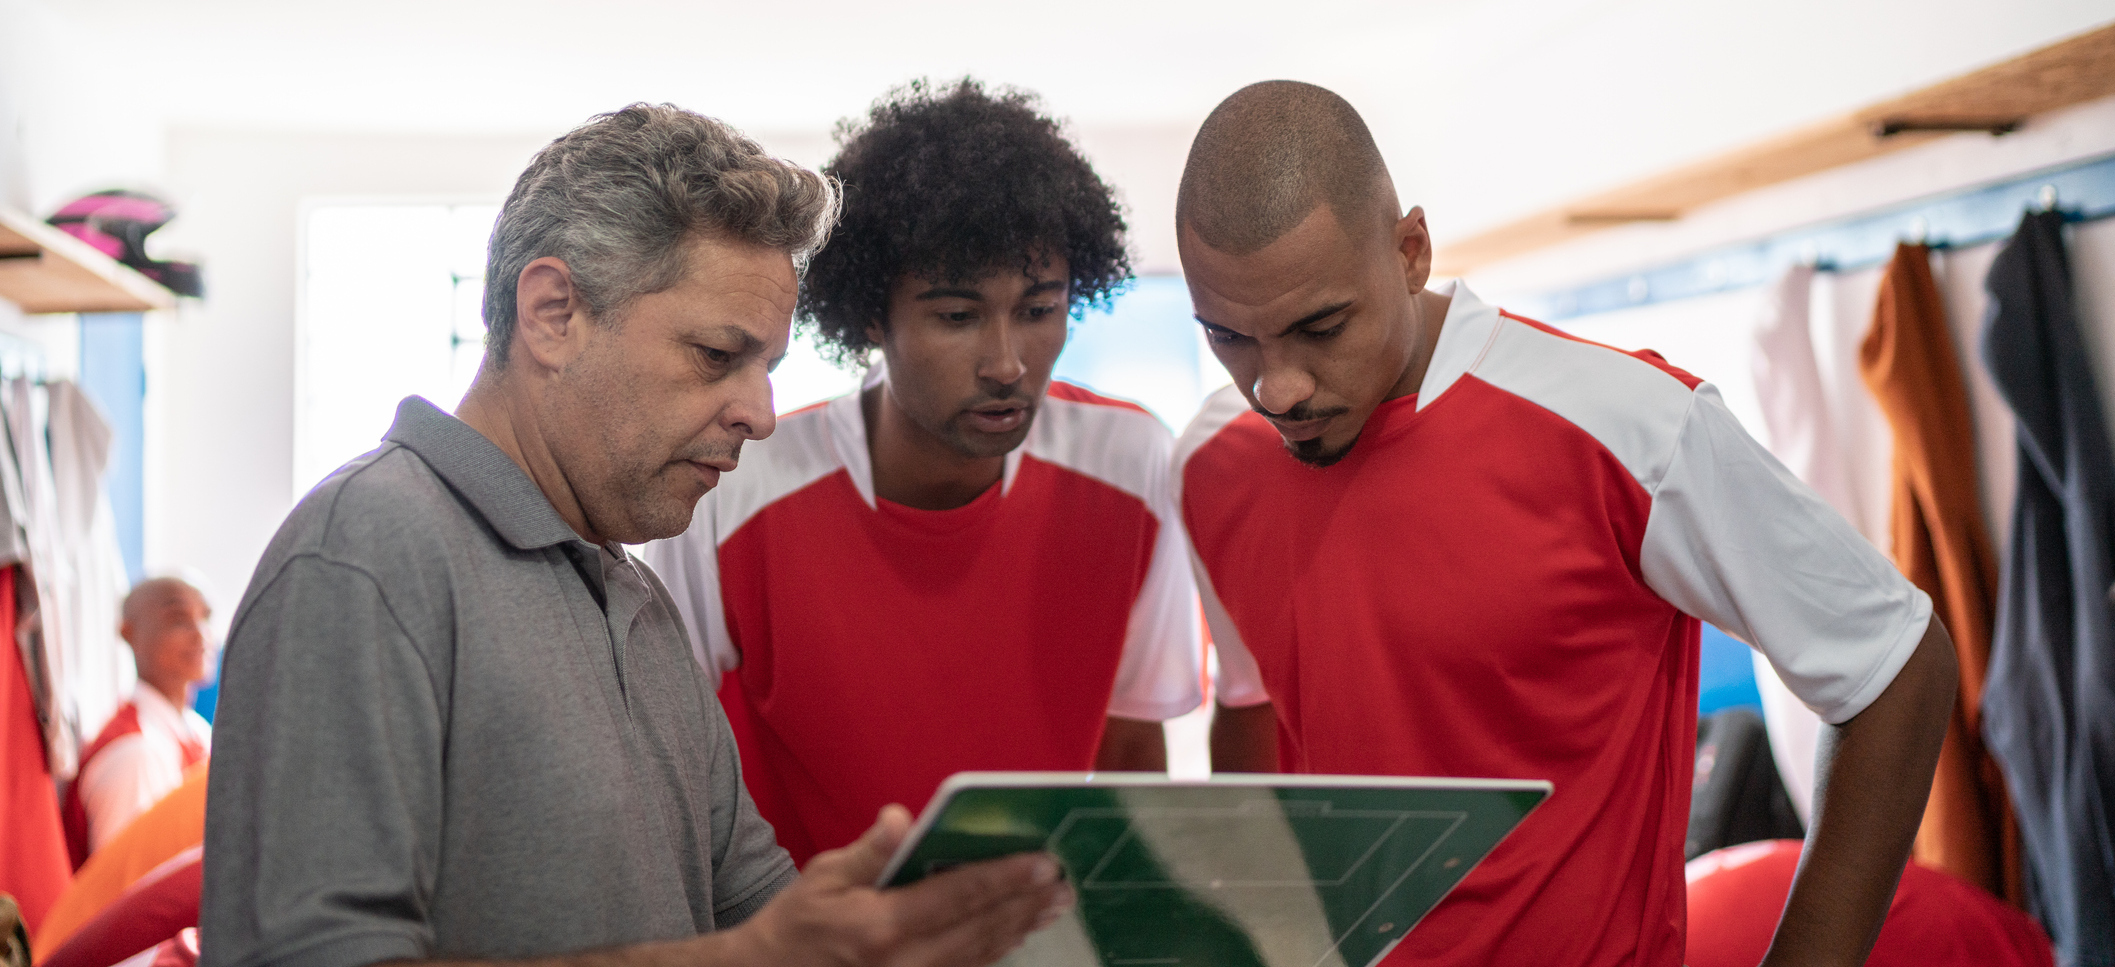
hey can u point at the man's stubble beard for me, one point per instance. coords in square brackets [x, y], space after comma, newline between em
[635, 483]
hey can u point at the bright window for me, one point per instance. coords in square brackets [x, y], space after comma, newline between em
[388, 309]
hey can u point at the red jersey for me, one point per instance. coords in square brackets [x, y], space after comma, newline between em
[1503, 579]
[139, 756]
[867, 650]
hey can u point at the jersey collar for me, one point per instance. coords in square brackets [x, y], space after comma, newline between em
[156, 711]
[1464, 336]
[848, 436]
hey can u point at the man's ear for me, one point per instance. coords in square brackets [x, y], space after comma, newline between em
[1414, 243]
[551, 321]
[876, 334]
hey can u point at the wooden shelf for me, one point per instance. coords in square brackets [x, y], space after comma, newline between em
[2069, 72]
[43, 269]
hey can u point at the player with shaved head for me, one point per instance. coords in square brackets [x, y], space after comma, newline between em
[1437, 538]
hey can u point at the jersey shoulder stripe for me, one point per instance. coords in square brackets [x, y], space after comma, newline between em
[1634, 405]
[810, 408]
[1075, 393]
[801, 451]
[1650, 356]
[1117, 442]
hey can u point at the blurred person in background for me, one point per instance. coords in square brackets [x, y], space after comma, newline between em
[141, 754]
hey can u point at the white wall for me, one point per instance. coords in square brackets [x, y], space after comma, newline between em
[1143, 162]
[1485, 108]
[1963, 160]
[68, 125]
[47, 153]
[1520, 105]
[220, 379]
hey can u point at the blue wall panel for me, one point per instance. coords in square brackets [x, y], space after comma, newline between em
[1725, 673]
[114, 375]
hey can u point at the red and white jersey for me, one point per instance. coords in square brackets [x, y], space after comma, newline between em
[866, 650]
[138, 757]
[1503, 579]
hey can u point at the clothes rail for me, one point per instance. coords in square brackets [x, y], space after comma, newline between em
[2082, 190]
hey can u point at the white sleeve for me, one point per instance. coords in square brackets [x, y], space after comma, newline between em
[1736, 540]
[1161, 674]
[1239, 683]
[119, 785]
[689, 565]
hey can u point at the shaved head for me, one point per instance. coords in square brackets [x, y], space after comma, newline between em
[164, 620]
[1269, 155]
[153, 593]
[1308, 280]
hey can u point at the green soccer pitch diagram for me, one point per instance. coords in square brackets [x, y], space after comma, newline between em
[1249, 871]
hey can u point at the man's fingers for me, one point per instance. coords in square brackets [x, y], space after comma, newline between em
[860, 863]
[992, 933]
[937, 903]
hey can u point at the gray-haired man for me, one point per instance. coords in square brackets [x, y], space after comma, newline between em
[458, 721]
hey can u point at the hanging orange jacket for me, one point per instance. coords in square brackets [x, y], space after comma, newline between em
[1938, 539]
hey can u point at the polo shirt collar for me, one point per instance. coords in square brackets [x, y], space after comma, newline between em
[485, 477]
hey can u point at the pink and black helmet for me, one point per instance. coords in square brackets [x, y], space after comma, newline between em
[117, 222]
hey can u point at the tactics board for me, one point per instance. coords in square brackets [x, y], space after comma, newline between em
[1239, 871]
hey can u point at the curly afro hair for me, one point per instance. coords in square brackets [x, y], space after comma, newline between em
[949, 183]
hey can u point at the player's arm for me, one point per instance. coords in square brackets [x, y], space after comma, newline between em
[1874, 778]
[1245, 739]
[1131, 745]
[1736, 540]
[833, 916]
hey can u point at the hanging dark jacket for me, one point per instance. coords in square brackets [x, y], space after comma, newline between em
[2049, 702]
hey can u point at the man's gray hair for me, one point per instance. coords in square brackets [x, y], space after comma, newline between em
[618, 197]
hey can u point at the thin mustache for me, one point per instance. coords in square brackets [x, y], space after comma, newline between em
[710, 454]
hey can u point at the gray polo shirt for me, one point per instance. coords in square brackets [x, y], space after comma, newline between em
[448, 727]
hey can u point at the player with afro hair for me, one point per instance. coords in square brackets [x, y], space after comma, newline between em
[946, 184]
[965, 564]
